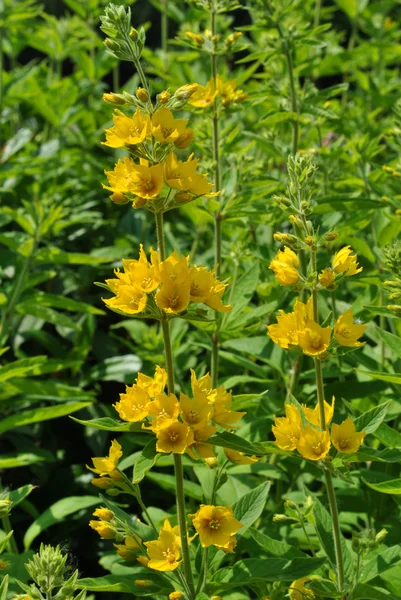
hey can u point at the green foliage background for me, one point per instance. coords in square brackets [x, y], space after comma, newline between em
[59, 233]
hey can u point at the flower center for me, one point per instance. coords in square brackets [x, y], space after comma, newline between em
[315, 340]
[344, 331]
[169, 556]
[318, 449]
[344, 443]
[146, 281]
[173, 437]
[174, 302]
[193, 416]
[214, 524]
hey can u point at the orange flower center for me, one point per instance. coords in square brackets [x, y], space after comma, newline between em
[214, 524]
[315, 340]
[344, 443]
[193, 416]
[169, 556]
[318, 449]
[173, 437]
[344, 331]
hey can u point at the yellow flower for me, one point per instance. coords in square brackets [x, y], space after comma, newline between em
[164, 553]
[239, 458]
[173, 297]
[153, 385]
[176, 595]
[286, 432]
[186, 91]
[129, 550]
[143, 560]
[326, 277]
[286, 331]
[346, 333]
[174, 437]
[104, 514]
[163, 409]
[346, 262]
[105, 466]
[314, 339]
[215, 525]
[345, 438]
[199, 447]
[285, 265]
[185, 139]
[133, 405]
[104, 483]
[147, 182]
[165, 127]
[127, 130]
[204, 96]
[223, 415]
[103, 529]
[229, 92]
[203, 384]
[201, 282]
[313, 414]
[139, 273]
[182, 175]
[298, 591]
[214, 297]
[313, 444]
[196, 411]
[174, 268]
[121, 178]
[128, 299]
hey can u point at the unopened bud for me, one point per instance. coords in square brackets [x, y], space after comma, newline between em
[142, 94]
[116, 475]
[104, 514]
[395, 307]
[380, 536]
[183, 197]
[280, 518]
[233, 38]
[115, 99]
[119, 198]
[385, 199]
[398, 211]
[309, 240]
[296, 221]
[291, 504]
[186, 91]
[355, 543]
[139, 202]
[133, 34]
[103, 482]
[212, 462]
[163, 97]
[143, 560]
[330, 236]
[177, 595]
[143, 583]
[197, 39]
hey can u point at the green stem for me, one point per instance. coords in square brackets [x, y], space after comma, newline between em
[217, 184]
[382, 323]
[329, 480]
[12, 544]
[1, 70]
[294, 102]
[164, 29]
[316, 17]
[179, 473]
[116, 78]
[335, 315]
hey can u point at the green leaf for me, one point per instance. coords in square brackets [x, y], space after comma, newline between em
[4, 541]
[146, 460]
[57, 301]
[393, 486]
[369, 421]
[167, 482]
[126, 583]
[58, 512]
[109, 424]
[37, 415]
[249, 508]
[115, 368]
[243, 292]
[54, 255]
[47, 314]
[324, 529]
[242, 401]
[252, 570]
[18, 495]
[23, 459]
[362, 591]
[350, 7]
[279, 117]
[4, 588]
[232, 441]
[392, 341]
[274, 547]
[383, 561]
[20, 368]
[388, 436]
[390, 377]
[44, 390]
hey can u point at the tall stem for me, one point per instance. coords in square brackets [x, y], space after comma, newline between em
[11, 544]
[179, 473]
[1, 68]
[294, 101]
[329, 481]
[164, 29]
[217, 184]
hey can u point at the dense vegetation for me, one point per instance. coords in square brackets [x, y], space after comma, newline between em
[296, 120]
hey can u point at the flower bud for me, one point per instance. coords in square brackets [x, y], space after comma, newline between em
[177, 595]
[139, 202]
[186, 91]
[102, 482]
[309, 240]
[133, 34]
[380, 536]
[119, 198]
[212, 462]
[183, 197]
[142, 94]
[5, 507]
[104, 514]
[280, 518]
[291, 504]
[330, 236]
[163, 97]
[143, 583]
[115, 99]
[143, 560]
[116, 475]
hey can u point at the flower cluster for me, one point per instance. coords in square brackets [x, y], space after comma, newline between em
[216, 526]
[299, 328]
[205, 96]
[285, 266]
[106, 467]
[292, 433]
[155, 172]
[169, 286]
[182, 425]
